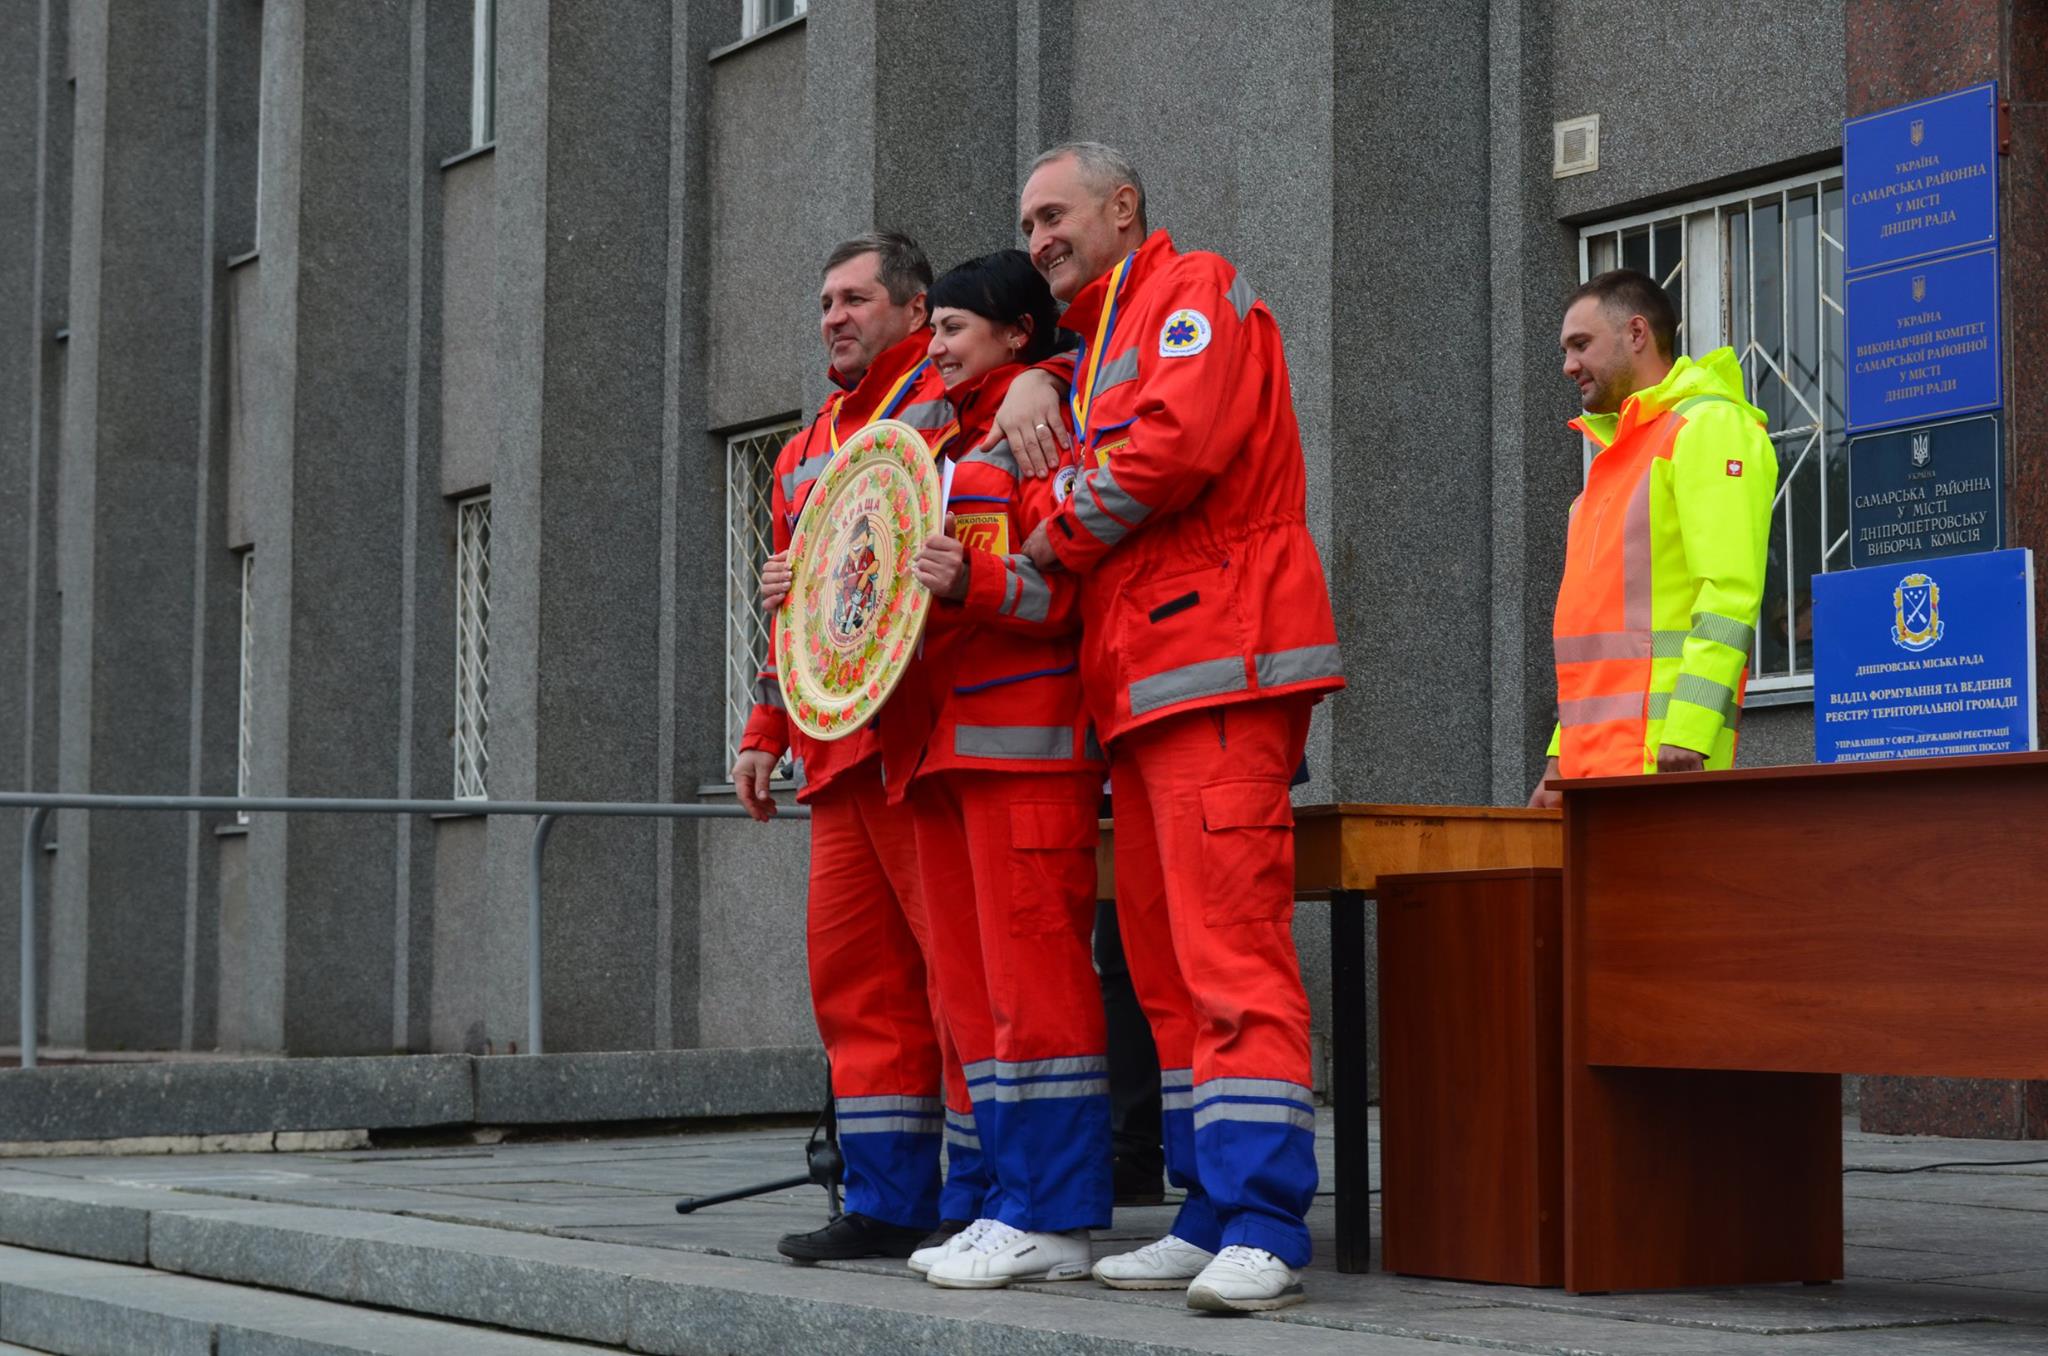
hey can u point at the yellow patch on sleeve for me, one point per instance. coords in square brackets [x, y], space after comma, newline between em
[984, 531]
[1103, 453]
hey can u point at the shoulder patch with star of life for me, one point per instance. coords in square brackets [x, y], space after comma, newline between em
[1184, 334]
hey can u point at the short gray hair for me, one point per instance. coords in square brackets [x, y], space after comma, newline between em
[900, 260]
[1105, 168]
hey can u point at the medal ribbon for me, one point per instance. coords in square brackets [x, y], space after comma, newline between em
[1082, 401]
[890, 402]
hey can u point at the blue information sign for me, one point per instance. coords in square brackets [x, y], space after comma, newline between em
[1920, 661]
[1921, 179]
[1923, 341]
[1920, 493]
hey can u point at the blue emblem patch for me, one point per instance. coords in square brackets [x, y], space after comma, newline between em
[1184, 334]
[1916, 613]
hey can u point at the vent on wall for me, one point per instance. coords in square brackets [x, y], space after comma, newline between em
[1575, 146]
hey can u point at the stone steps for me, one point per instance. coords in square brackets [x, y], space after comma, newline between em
[71, 1307]
[137, 1269]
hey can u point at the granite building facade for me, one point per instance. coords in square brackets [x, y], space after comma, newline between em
[385, 386]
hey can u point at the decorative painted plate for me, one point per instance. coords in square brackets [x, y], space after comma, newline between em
[851, 622]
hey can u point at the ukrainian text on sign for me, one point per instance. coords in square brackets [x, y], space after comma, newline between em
[1921, 179]
[1925, 492]
[1923, 341]
[1918, 662]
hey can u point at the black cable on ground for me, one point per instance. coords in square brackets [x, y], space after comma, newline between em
[1960, 1163]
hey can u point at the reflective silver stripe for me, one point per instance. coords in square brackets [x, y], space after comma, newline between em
[853, 1106]
[1176, 1078]
[891, 1125]
[804, 474]
[1254, 1087]
[1047, 1068]
[1116, 498]
[1206, 679]
[1723, 631]
[1667, 644]
[1687, 406]
[1591, 649]
[998, 456]
[1013, 588]
[1717, 698]
[1241, 296]
[1267, 1113]
[981, 1068]
[1041, 1092]
[1170, 1100]
[1297, 666]
[1118, 370]
[961, 1138]
[927, 414]
[1034, 595]
[768, 692]
[1100, 525]
[1635, 559]
[1595, 710]
[959, 1120]
[1014, 741]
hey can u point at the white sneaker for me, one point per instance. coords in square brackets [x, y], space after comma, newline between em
[1003, 1254]
[1245, 1280]
[924, 1259]
[1168, 1264]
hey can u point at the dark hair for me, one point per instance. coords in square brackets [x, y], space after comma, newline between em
[1625, 292]
[1005, 288]
[900, 260]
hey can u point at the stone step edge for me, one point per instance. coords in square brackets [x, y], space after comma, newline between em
[69, 1307]
[184, 1103]
[657, 1301]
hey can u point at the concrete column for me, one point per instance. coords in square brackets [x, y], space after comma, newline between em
[131, 474]
[578, 568]
[1892, 57]
[35, 248]
[326, 505]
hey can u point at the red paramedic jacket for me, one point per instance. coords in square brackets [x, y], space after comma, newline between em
[1201, 584]
[920, 403]
[1000, 672]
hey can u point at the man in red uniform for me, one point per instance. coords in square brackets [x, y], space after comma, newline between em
[1206, 637]
[866, 924]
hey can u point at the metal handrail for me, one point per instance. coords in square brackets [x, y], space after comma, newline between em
[546, 812]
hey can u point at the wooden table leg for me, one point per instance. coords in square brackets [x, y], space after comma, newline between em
[1350, 1072]
[1678, 1177]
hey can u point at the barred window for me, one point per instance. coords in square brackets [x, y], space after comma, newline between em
[472, 646]
[749, 539]
[243, 685]
[1761, 270]
[756, 15]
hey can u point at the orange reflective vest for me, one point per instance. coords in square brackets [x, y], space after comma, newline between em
[881, 393]
[1663, 574]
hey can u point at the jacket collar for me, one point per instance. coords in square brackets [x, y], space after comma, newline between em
[975, 402]
[1717, 374]
[863, 395]
[1086, 307]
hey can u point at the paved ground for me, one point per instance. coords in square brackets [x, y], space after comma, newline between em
[1949, 1261]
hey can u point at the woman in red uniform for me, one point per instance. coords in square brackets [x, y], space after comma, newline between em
[1004, 800]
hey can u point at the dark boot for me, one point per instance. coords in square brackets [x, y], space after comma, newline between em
[850, 1236]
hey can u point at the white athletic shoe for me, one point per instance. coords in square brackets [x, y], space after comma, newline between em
[1168, 1264]
[1245, 1280]
[1003, 1254]
[924, 1259]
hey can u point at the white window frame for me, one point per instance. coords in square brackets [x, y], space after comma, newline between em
[756, 15]
[749, 539]
[483, 73]
[1700, 277]
[244, 681]
[470, 740]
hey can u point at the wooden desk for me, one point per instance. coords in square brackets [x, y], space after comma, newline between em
[1340, 852]
[1736, 940]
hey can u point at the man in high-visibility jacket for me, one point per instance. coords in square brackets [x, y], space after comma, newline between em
[865, 923]
[1206, 636]
[1666, 548]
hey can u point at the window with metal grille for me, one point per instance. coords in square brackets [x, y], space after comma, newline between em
[244, 685]
[472, 646]
[749, 540]
[1761, 270]
[483, 73]
[756, 15]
